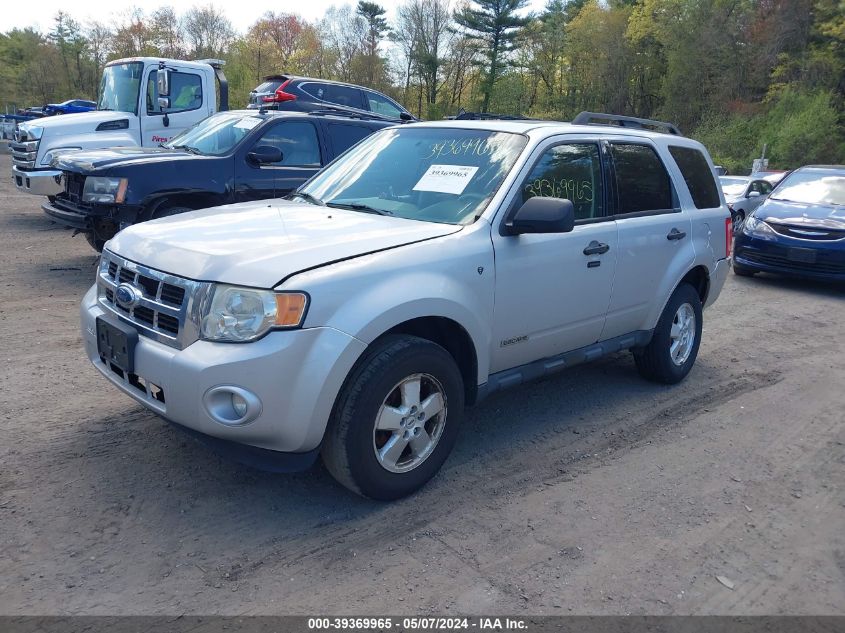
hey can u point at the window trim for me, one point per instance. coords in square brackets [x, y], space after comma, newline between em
[517, 190]
[615, 198]
[172, 112]
[280, 123]
[364, 105]
[386, 98]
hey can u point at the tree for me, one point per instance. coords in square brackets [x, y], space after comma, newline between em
[208, 31]
[496, 24]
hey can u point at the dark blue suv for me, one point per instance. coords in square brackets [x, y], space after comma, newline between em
[799, 230]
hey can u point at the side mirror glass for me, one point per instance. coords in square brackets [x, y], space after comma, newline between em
[163, 82]
[265, 154]
[543, 215]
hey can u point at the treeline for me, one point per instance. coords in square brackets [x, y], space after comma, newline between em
[733, 73]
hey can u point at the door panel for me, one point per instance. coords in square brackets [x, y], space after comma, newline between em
[551, 297]
[188, 105]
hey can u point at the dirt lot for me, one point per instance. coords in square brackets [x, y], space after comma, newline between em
[592, 492]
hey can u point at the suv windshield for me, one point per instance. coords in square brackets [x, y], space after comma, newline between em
[812, 187]
[215, 135]
[445, 175]
[120, 87]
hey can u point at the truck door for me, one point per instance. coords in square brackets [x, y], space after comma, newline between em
[552, 290]
[188, 104]
[302, 157]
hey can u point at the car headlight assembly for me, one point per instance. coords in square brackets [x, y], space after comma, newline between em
[104, 190]
[239, 315]
[756, 227]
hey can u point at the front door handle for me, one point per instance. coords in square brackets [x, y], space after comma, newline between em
[596, 248]
[675, 234]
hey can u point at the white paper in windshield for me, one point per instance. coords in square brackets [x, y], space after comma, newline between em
[446, 179]
[247, 123]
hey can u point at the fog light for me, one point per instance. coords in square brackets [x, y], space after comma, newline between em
[231, 405]
[239, 405]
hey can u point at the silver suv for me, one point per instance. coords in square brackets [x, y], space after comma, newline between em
[429, 266]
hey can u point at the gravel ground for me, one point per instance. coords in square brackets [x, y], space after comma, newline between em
[591, 492]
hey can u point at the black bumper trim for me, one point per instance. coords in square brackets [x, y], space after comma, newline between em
[68, 218]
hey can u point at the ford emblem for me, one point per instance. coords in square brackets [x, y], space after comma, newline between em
[127, 296]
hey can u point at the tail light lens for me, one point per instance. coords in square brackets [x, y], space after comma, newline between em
[729, 236]
[280, 95]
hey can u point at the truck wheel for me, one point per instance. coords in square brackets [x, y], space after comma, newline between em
[96, 243]
[396, 418]
[671, 353]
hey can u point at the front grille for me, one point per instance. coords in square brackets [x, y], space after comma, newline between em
[168, 306]
[74, 184]
[24, 151]
[807, 233]
[821, 265]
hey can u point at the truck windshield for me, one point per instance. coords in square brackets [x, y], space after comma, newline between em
[446, 175]
[120, 87]
[217, 134]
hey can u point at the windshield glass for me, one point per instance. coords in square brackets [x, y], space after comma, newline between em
[733, 186]
[812, 187]
[217, 134]
[120, 86]
[445, 175]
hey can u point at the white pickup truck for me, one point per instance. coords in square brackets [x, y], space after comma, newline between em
[144, 101]
[428, 266]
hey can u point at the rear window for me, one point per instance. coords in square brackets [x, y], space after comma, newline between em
[345, 136]
[697, 175]
[269, 86]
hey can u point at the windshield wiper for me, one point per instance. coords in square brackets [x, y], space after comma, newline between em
[306, 196]
[354, 206]
[187, 148]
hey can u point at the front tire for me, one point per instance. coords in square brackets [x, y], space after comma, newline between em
[670, 355]
[396, 418]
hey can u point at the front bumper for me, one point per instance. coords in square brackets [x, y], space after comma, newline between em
[40, 182]
[70, 218]
[776, 256]
[296, 375]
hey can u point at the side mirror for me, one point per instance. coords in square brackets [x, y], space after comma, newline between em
[753, 194]
[163, 81]
[264, 154]
[543, 215]
[164, 104]
[404, 116]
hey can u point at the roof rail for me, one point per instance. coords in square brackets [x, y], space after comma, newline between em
[348, 113]
[600, 118]
[463, 115]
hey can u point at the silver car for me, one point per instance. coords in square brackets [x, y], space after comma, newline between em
[744, 194]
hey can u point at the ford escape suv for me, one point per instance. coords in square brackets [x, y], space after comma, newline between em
[427, 267]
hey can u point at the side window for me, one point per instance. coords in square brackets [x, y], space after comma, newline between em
[380, 105]
[298, 142]
[316, 90]
[696, 173]
[642, 183]
[185, 93]
[344, 95]
[570, 171]
[344, 136]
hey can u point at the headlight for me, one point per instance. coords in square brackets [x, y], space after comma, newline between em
[53, 154]
[755, 226]
[32, 131]
[238, 315]
[104, 190]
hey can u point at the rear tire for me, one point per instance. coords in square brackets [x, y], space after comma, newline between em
[670, 355]
[396, 418]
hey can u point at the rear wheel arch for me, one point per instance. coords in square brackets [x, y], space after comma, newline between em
[699, 278]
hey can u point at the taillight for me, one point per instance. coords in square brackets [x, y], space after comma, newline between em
[729, 235]
[280, 95]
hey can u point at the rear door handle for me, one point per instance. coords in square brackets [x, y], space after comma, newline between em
[675, 234]
[596, 248]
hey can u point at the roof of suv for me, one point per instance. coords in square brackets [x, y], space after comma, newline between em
[527, 126]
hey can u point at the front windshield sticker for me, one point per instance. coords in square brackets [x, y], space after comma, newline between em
[446, 179]
[247, 123]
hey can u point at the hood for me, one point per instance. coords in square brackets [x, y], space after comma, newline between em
[798, 214]
[260, 243]
[87, 160]
[82, 120]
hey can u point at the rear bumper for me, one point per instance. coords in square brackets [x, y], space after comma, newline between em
[39, 182]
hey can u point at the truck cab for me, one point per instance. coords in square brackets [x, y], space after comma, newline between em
[131, 111]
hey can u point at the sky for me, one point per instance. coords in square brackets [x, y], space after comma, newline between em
[20, 14]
